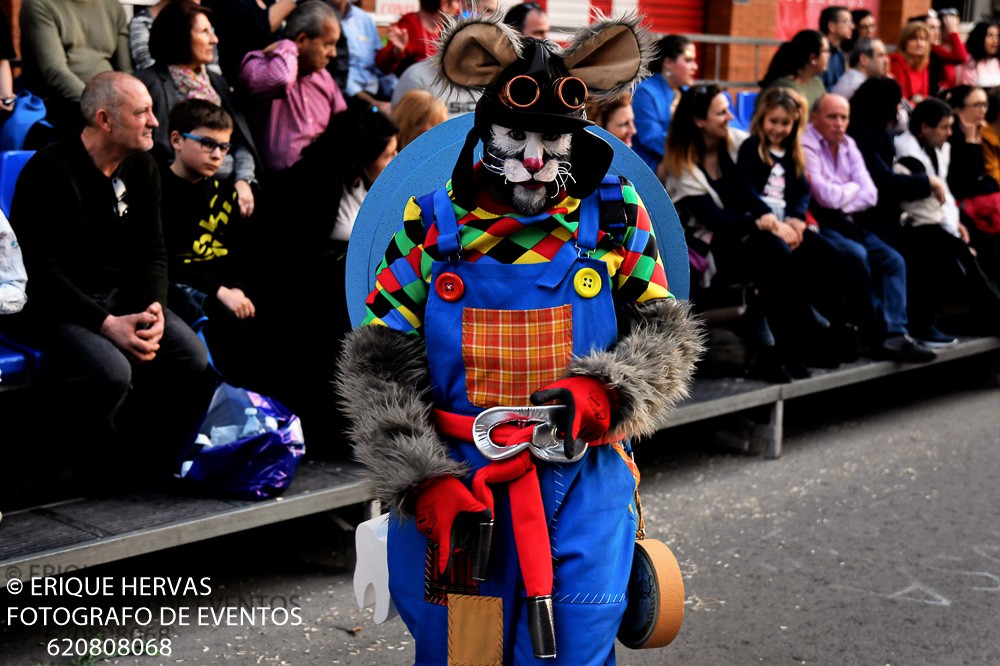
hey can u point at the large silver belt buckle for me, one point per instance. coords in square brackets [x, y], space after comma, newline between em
[544, 443]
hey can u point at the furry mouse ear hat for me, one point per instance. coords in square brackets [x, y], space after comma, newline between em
[538, 86]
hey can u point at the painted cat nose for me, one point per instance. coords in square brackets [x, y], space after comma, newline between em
[533, 164]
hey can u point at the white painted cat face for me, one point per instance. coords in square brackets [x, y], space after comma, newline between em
[535, 164]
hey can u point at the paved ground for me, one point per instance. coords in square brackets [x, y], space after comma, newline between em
[874, 540]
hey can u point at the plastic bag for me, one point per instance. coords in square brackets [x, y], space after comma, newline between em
[13, 277]
[248, 446]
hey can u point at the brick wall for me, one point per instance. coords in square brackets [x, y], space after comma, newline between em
[893, 14]
[755, 18]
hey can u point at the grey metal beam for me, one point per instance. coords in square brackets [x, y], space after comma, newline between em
[139, 542]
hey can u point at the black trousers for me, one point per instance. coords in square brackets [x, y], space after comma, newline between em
[944, 276]
[788, 281]
[136, 417]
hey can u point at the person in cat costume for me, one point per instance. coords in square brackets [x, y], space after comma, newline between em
[530, 278]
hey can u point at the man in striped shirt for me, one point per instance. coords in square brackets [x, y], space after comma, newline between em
[293, 93]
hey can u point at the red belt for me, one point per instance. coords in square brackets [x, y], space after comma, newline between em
[531, 534]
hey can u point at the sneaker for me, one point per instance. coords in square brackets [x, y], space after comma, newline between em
[903, 349]
[934, 338]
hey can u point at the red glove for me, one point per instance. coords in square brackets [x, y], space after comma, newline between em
[449, 515]
[588, 409]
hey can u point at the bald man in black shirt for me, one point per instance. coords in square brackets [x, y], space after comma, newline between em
[87, 213]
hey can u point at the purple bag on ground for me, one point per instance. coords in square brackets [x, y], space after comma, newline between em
[248, 446]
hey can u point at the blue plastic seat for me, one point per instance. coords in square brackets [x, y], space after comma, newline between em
[737, 120]
[745, 103]
[11, 163]
[13, 366]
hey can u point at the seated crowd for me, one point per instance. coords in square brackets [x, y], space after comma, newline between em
[858, 214]
[215, 189]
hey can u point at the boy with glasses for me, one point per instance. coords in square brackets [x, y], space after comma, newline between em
[203, 231]
[198, 212]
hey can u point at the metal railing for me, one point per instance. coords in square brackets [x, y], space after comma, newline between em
[719, 41]
[714, 51]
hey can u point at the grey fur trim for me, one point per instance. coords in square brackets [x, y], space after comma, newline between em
[382, 380]
[646, 41]
[651, 367]
[451, 26]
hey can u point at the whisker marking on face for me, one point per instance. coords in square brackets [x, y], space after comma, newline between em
[494, 164]
[563, 175]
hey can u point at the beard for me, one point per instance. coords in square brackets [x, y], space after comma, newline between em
[528, 201]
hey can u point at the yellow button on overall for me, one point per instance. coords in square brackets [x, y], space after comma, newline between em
[587, 282]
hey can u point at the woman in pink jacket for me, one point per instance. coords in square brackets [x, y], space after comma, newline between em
[983, 67]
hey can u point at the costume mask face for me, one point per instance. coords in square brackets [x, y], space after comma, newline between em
[534, 166]
[530, 117]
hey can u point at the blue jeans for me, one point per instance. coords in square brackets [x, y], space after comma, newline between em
[881, 271]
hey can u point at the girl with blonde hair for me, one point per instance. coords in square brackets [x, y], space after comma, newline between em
[773, 161]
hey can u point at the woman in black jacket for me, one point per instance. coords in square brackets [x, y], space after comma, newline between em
[874, 113]
[967, 178]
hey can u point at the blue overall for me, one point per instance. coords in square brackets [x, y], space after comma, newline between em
[588, 504]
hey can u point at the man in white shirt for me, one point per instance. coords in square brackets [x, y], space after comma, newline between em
[942, 268]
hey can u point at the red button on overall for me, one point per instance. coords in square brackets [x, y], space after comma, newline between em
[449, 287]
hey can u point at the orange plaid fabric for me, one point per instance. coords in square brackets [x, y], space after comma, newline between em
[510, 354]
[632, 467]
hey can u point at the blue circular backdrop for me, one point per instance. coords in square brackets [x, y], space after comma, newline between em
[426, 165]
